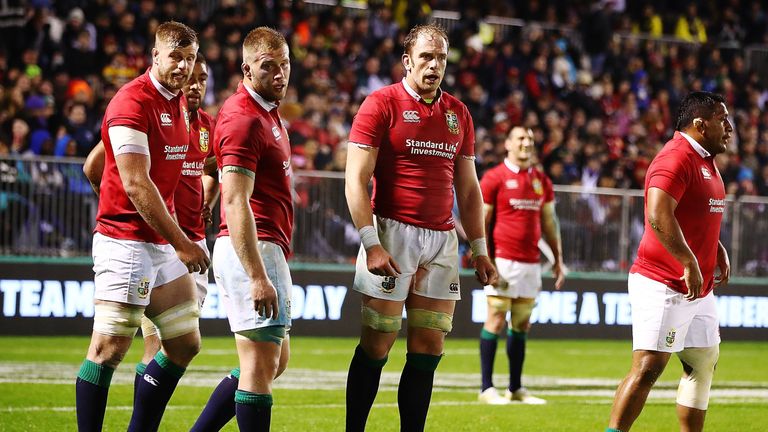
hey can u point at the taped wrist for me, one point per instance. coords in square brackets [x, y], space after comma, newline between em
[369, 236]
[479, 247]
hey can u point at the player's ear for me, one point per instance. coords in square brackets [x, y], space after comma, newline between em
[155, 56]
[407, 62]
[246, 68]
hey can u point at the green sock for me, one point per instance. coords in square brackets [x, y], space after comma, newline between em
[100, 375]
[140, 368]
[172, 368]
[485, 334]
[248, 398]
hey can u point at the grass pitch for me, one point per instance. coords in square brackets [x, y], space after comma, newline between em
[577, 378]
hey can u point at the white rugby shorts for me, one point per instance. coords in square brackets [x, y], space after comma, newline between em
[201, 280]
[412, 248]
[516, 280]
[235, 288]
[126, 271]
[663, 320]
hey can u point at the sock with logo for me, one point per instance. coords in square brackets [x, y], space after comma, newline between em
[415, 390]
[516, 355]
[254, 411]
[153, 392]
[91, 391]
[221, 405]
[362, 386]
[488, 343]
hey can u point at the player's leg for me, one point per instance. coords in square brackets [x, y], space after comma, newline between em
[517, 336]
[151, 347]
[429, 320]
[699, 359]
[382, 312]
[660, 321]
[175, 311]
[381, 322]
[123, 276]
[489, 340]
[114, 327]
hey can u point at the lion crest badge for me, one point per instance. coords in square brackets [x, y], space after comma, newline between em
[452, 120]
[204, 139]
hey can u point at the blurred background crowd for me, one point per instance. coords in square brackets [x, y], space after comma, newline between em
[598, 81]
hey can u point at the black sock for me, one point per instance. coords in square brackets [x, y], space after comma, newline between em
[362, 386]
[516, 355]
[415, 390]
[488, 343]
[153, 393]
[91, 391]
[254, 411]
[140, 368]
[221, 405]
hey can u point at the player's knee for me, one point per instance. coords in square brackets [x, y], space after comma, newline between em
[106, 354]
[381, 322]
[699, 365]
[115, 319]
[282, 365]
[179, 320]
[520, 316]
[647, 374]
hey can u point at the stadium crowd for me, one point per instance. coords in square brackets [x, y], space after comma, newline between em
[598, 82]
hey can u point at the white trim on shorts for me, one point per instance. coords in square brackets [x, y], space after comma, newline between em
[412, 248]
[126, 271]
[235, 287]
[523, 280]
[663, 320]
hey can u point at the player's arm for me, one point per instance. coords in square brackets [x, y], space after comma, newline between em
[237, 187]
[724, 264]
[93, 168]
[210, 181]
[661, 217]
[550, 228]
[361, 161]
[133, 165]
[470, 203]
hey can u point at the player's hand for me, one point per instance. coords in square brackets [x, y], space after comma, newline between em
[207, 215]
[264, 297]
[380, 262]
[724, 264]
[484, 270]
[693, 280]
[193, 257]
[558, 271]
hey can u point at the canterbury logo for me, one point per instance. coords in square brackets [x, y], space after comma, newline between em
[165, 119]
[150, 379]
[411, 116]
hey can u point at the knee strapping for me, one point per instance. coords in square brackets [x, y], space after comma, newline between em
[274, 334]
[113, 319]
[381, 322]
[147, 327]
[178, 320]
[520, 314]
[428, 319]
[501, 304]
[699, 364]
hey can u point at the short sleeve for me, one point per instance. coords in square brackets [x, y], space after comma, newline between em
[370, 124]
[468, 141]
[126, 110]
[669, 173]
[549, 191]
[489, 186]
[240, 140]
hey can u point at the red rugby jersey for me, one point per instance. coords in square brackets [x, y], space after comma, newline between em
[517, 197]
[189, 193]
[249, 136]
[418, 146]
[694, 181]
[139, 105]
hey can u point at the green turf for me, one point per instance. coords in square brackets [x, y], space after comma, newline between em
[37, 391]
